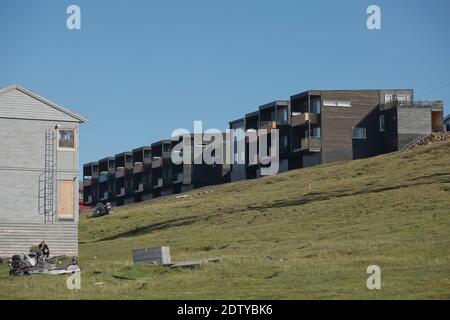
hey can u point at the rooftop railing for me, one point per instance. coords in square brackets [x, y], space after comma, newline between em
[413, 104]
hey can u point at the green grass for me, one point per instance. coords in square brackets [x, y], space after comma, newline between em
[304, 234]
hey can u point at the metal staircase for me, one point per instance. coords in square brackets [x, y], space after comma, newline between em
[414, 142]
[47, 180]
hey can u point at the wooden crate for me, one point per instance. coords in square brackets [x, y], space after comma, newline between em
[159, 255]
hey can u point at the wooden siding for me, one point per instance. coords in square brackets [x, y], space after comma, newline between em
[18, 105]
[17, 238]
[24, 119]
[24, 163]
[337, 124]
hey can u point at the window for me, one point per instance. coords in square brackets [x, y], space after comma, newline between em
[402, 98]
[382, 123]
[359, 133]
[282, 116]
[341, 104]
[66, 139]
[388, 98]
[316, 133]
[316, 106]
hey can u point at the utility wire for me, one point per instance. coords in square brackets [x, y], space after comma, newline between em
[434, 90]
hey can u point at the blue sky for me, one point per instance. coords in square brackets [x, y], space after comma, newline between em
[139, 69]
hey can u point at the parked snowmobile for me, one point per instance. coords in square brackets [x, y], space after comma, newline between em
[102, 209]
[38, 262]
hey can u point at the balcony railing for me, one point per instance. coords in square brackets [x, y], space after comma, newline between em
[301, 119]
[87, 182]
[159, 183]
[252, 136]
[104, 196]
[121, 192]
[140, 188]
[120, 172]
[179, 178]
[138, 167]
[268, 125]
[311, 144]
[436, 105]
[157, 162]
[103, 178]
[88, 200]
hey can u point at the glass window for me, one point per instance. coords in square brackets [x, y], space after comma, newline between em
[382, 123]
[66, 139]
[359, 133]
[316, 133]
[282, 116]
[402, 98]
[315, 106]
[341, 104]
[388, 98]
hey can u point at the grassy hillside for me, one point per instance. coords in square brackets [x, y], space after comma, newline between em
[304, 234]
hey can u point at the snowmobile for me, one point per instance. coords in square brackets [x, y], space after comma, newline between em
[102, 209]
[38, 262]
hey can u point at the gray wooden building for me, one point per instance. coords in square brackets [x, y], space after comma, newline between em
[38, 173]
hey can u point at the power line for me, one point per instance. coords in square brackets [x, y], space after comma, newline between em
[434, 90]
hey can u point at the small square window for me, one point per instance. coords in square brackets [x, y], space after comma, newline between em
[359, 133]
[66, 139]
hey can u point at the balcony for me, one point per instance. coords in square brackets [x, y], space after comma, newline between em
[104, 196]
[138, 167]
[179, 178]
[301, 119]
[268, 125]
[121, 192]
[88, 200]
[140, 188]
[87, 182]
[159, 183]
[252, 136]
[311, 144]
[157, 162]
[103, 178]
[120, 172]
[433, 105]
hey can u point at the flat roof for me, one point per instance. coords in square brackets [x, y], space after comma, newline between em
[125, 153]
[237, 120]
[252, 114]
[107, 159]
[160, 142]
[90, 163]
[318, 92]
[142, 148]
[273, 104]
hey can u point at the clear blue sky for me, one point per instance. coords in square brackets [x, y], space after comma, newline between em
[139, 69]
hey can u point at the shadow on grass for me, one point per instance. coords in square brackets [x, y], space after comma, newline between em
[184, 221]
[313, 197]
[307, 199]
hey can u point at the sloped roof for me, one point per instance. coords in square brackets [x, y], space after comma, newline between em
[45, 101]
